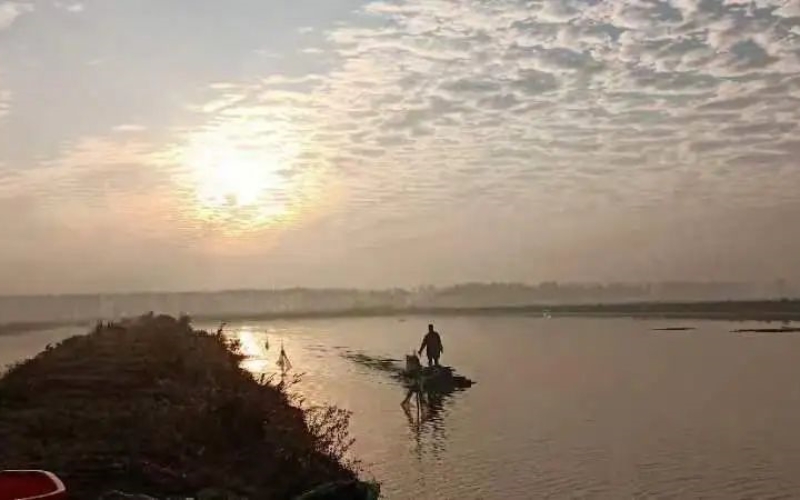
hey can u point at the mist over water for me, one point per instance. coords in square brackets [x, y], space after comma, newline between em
[93, 306]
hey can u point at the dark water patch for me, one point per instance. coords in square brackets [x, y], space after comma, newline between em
[785, 329]
[317, 348]
[376, 363]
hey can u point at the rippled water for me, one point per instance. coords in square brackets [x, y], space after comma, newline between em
[563, 408]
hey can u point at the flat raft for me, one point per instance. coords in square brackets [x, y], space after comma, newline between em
[436, 378]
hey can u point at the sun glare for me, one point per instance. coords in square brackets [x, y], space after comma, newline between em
[237, 176]
[230, 179]
[252, 347]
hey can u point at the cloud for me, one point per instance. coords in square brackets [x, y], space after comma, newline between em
[545, 114]
[129, 128]
[11, 11]
[509, 76]
[71, 7]
[5, 101]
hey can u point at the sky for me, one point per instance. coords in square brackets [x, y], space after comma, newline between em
[202, 144]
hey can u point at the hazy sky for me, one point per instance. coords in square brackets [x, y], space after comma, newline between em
[182, 144]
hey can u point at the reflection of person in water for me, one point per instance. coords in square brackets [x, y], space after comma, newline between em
[414, 373]
[428, 401]
[435, 402]
[432, 344]
[426, 419]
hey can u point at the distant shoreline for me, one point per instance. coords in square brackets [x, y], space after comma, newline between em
[762, 310]
[18, 327]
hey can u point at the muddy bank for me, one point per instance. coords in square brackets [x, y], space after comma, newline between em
[158, 408]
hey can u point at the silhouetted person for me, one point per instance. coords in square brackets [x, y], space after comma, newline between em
[432, 343]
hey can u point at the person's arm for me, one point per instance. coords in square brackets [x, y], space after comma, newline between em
[424, 342]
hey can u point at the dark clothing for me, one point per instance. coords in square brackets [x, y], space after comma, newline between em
[432, 343]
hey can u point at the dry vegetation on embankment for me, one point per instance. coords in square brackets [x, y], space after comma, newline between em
[156, 407]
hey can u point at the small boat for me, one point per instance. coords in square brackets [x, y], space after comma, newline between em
[435, 378]
[31, 485]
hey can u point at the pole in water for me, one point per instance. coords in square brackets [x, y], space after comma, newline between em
[283, 360]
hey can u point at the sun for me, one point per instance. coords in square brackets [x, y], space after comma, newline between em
[242, 177]
[239, 184]
[228, 178]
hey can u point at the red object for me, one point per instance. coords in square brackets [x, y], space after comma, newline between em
[31, 485]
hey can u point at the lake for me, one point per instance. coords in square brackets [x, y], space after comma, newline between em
[562, 408]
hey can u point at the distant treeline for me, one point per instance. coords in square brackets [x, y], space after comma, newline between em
[756, 310]
[577, 298]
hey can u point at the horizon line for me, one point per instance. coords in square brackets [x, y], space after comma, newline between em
[408, 289]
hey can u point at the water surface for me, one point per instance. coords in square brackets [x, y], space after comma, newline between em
[15, 347]
[563, 408]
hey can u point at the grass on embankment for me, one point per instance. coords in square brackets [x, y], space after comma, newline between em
[158, 408]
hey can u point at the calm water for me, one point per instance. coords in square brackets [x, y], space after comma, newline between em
[563, 408]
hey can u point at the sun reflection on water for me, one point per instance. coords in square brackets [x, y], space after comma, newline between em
[261, 349]
[252, 345]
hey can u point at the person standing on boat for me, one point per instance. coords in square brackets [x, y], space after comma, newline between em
[432, 343]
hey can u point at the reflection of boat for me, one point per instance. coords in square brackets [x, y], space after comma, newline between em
[30, 485]
[430, 392]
